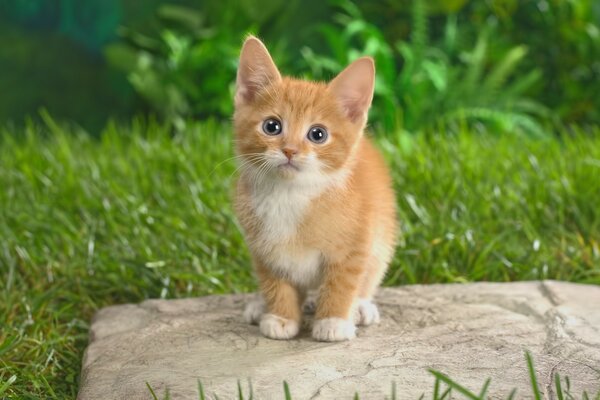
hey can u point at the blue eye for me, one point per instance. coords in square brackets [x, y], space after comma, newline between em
[271, 127]
[317, 134]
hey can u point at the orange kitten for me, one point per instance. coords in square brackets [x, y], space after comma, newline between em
[314, 197]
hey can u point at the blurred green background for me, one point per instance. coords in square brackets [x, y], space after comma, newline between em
[518, 66]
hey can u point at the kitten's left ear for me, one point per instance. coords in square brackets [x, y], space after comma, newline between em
[353, 87]
[255, 72]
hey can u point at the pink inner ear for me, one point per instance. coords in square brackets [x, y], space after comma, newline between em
[255, 72]
[355, 105]
[353, 88]
[252, 81]
[247, 90]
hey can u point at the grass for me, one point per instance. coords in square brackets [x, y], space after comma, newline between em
[136, 213]
[444, 388]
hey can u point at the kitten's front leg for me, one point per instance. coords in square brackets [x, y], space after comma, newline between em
[333, 318]
[283, 301]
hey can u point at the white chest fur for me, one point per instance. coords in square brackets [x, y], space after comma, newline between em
[280, 206]
[280, 209]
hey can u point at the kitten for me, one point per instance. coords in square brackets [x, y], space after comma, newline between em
[314, 197]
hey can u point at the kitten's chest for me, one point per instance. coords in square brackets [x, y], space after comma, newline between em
[279, 213]
[277, 238]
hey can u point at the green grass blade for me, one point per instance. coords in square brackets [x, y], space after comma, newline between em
[151, 391]
[512, 394]
[454, 385]
[48, 387]
[559, 391]
[485, 388]
[240, 392]
[251, 389]
[201, 394]
[585, 396]
[447, 393]
[286, 391]
[6, 384]
[532, 376]
[436, 389]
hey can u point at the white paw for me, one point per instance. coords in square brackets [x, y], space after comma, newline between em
[254, 310]
[333, 330]
[275, 327]
[366, 313]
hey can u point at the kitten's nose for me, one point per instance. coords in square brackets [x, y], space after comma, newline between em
[289, 153]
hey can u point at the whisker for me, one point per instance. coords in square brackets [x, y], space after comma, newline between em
[249, 155]
[244, 164]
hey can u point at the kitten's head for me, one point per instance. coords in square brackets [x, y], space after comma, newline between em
[298, 130]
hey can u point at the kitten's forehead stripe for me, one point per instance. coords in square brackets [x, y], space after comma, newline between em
[302, 98]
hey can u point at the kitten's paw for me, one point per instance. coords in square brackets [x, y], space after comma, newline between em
[275, 327]
[366, 313]
[254, 310]
[333, 330]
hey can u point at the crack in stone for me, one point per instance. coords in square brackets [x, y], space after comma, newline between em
[341, 378]
[519, 308]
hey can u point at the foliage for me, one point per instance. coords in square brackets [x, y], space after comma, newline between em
[564, 42]
[186, 67]
[184, 72]
[140, 212]
[180, 57]
[429, 89]
[189, 71]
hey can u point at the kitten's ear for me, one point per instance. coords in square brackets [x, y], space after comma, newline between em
[255, 72]
[353, 88]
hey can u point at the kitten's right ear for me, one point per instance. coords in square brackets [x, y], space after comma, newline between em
[255, 72]
[353, 88]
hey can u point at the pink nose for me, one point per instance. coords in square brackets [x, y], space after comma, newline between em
[289, 153]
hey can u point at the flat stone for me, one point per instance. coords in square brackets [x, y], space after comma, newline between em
[469, 332]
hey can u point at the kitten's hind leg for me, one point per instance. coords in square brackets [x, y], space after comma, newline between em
[366, 311]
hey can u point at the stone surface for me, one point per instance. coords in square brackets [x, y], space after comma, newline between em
[470, 332]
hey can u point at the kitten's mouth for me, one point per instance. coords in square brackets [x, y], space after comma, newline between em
[288, 166]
